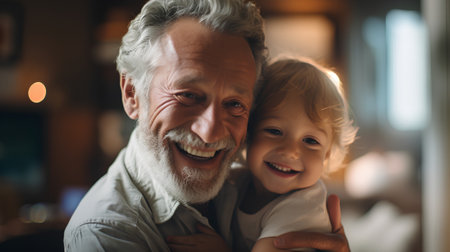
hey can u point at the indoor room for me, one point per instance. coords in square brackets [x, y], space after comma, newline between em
[62, 121]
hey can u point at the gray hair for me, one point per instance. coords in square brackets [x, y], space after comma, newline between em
[140, 49]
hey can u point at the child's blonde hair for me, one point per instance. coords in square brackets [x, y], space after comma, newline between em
[323, 100]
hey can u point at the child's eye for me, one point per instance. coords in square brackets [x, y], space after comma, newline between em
[311, 141]
[275, 132]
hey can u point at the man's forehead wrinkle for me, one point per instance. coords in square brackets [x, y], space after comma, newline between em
[194, 75]
[241, 89]
[189, 80]
[193, 47]
[197, 79]
[187, 33]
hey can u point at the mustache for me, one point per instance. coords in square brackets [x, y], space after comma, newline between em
[184, 135]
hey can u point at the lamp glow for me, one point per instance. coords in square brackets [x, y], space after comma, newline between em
[37, 92]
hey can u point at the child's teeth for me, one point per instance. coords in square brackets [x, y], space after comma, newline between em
[281, 168]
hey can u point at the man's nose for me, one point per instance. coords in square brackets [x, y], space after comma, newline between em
[210, 124]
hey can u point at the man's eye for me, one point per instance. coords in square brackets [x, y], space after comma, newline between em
[311, 141]
[188, 98]
[236, 108]
[235, 104]
[188, 95]
[275, 132]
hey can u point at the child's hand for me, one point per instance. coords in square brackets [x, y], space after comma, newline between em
[206, 240]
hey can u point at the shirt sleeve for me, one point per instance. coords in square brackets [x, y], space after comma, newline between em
[101, 237]
[301, 210]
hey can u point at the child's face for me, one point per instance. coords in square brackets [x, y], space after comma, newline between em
[288, 150]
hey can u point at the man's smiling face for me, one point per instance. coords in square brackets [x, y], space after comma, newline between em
[199, 102]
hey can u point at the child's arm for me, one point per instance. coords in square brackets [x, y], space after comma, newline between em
[267, 245]
[206, 240]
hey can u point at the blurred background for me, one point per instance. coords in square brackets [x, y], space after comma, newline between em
[62, 123]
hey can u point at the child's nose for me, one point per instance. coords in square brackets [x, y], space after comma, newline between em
[291, 149]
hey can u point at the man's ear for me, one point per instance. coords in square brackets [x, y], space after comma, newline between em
[129, 97]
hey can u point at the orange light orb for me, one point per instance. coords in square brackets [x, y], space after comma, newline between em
[37, 92]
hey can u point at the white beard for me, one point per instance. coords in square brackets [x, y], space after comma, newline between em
[193, 185]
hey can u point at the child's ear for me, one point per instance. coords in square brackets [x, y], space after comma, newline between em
[129, 97]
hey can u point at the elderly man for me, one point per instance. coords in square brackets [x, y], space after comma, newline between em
[188, 71]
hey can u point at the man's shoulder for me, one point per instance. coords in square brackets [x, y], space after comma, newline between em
[113, 210]
[108, 234]
[113, 200]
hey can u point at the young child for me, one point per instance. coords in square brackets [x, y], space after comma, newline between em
[299, 130]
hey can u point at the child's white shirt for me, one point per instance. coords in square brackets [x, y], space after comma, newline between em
[300, 210]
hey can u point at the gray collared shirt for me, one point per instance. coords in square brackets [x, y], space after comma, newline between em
[120, 214]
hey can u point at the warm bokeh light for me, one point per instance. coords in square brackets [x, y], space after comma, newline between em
[37, 92]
